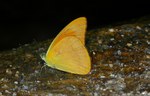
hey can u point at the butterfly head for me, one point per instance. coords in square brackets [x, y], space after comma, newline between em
[43, 55]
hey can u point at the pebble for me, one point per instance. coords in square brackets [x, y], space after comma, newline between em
[102, 76]
[129, 44]
[14, 94]
[8, 71]
[16, 82]
[138, 27]
[4, 86]
[6, 91]
[17, 74]
[111, 30]
[111, 65]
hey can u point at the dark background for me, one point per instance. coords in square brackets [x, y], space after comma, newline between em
[24, 21]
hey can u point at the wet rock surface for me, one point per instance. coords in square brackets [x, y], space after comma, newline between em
[120, 66]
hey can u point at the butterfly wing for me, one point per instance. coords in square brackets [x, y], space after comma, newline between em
[69, 55]
[75, 28]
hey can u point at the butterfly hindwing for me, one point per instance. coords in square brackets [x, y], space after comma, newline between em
[69, 55]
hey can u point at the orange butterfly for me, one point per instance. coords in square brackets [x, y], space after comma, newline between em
[67, 51]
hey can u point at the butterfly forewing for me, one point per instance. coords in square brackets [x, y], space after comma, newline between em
[76, 28]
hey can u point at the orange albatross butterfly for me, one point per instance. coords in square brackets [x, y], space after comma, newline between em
[67, 52]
